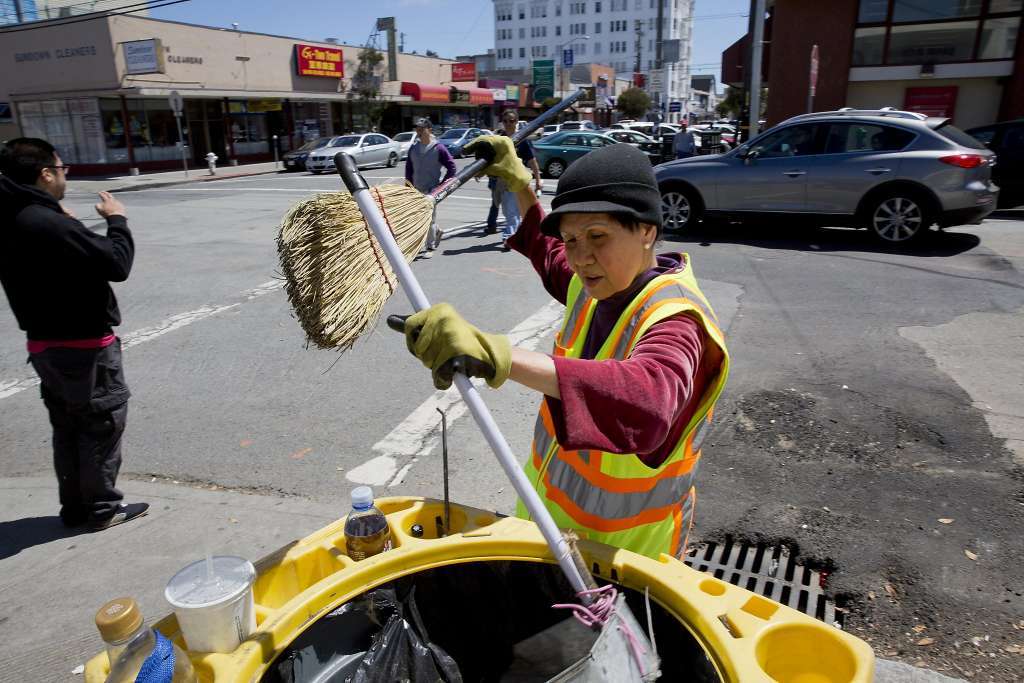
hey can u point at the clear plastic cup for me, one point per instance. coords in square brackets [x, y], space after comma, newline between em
[215, 609]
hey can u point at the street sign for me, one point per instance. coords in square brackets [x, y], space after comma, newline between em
[675, 106]
[567, 57]
[657, 80]
[543, 79]
[814, 70]
[176, 102]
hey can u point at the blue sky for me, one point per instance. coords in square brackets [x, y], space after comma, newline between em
[449, 27]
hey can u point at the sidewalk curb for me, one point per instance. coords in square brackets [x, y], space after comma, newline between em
[202, 179]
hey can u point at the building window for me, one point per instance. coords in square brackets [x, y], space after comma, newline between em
[581, 48]
[915, 10]
[522, 33]
[522, 12]
[999, 38]
[597, 27]
[868, 46]
[522, 52]
[597, 7]
[873, 11]
[558, 30]
[558, 10]
[932, 43]
[995, 6]
[597, 48]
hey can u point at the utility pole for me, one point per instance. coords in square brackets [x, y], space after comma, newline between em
[639, 28]
[658, 61]
[17, 11]
[756, 54]
[401, 42]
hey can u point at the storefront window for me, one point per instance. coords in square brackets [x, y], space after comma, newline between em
[71, 126]
[872, 11]
[868, 44]
[999, 38]
[932, 43]
[916, 10]
[249, 134]
[995, 6]
[163, 131]
[113, 131]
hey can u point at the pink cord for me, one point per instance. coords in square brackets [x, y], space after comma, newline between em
[597, 613]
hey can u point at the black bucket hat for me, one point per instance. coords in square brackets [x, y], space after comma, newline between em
[616, 179]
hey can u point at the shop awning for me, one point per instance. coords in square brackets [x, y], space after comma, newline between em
[425, 93]
[421, 92]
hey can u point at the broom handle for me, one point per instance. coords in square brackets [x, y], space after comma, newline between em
[357, 186]
[463, 176]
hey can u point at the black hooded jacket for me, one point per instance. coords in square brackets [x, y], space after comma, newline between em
[55, 271]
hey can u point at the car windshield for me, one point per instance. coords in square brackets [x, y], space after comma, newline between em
[345, 141]
[454, 133]
[551, 129]
[313, 144]
[403, 137]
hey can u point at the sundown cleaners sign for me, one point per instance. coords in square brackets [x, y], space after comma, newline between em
[311, 60]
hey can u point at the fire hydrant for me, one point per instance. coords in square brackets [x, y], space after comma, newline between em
[211, 162]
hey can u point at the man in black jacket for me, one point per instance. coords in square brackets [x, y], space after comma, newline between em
[56, 273]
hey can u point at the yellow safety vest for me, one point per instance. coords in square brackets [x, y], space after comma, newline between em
[615, 498]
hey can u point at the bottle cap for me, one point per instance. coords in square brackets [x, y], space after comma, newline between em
[362, 497]
[118, 619]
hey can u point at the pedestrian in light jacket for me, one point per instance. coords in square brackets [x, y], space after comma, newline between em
[56, 273]
[427, 159]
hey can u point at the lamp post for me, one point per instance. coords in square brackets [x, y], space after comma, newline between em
[558, 54]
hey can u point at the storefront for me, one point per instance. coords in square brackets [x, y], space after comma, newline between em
[106, 104]
[447, 105]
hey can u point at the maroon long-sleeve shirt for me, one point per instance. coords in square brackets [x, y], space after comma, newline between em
[639, 405]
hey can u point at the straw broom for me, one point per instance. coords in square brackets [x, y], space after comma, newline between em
[336, 277]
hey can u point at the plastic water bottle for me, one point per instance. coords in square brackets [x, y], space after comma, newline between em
[131, 647]
[366, 529]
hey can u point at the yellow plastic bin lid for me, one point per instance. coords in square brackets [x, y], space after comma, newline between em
[746, 637]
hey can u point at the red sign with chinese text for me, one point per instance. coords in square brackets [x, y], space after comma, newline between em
[311, 60]
[936, 100]
[463, 71]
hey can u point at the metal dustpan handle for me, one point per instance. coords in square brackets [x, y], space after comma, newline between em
[356, 185]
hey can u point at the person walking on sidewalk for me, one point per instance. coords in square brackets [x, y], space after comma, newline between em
[56, 273]
[423, 166]
[683, 143]
[500, 192]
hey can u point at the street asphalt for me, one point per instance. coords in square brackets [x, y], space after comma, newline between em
[874, 392]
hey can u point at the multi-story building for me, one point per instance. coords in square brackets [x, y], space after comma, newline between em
[962, 59]
[21, 11]
[620, 33]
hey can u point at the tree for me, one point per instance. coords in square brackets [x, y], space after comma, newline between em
[732, 104]
[633, 102]
[366, 83]
[431, 53]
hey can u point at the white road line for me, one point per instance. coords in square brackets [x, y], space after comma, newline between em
[174, 322]
[420, 432]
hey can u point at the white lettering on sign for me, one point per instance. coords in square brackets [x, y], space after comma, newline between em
[178, 59]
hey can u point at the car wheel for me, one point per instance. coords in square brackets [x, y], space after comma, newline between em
[392, 160]
[680, 208]
[555, 168]
[898, 217]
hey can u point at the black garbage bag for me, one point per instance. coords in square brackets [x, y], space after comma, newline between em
[402, 651]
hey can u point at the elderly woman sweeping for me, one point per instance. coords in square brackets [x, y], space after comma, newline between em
[639, 361]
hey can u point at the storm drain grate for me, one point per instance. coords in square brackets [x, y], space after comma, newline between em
[768, 571]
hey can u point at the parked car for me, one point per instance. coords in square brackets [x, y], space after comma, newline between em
[555, 152]
[295, 160]
[550, 129]
[1007, 141]
[405, 141]
[368, 149]
[580, 125]
[456, 139]
[645, 143]
[895, 173]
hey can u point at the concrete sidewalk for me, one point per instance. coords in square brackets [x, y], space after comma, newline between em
[54, 579]
[128, 183]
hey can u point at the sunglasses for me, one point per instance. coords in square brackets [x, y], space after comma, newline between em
[67, 169]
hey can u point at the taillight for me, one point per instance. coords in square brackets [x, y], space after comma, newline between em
[964, 160]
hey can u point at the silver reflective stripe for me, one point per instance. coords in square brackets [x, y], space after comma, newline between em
[700, 433]
[673, 291]
[541, 439]
[574, 314]
[612, 505]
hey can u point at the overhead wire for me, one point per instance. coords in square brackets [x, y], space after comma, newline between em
[92, 16]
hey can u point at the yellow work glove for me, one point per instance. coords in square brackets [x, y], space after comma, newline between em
[447, 344]
[506, 164]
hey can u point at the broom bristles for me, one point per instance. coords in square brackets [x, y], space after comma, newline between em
[337, 277]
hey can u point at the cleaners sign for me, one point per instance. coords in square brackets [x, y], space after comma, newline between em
[311, 60]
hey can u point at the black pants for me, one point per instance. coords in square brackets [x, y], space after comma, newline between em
[85, 393]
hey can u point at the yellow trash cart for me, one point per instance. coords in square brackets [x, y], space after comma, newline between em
[728, 633]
